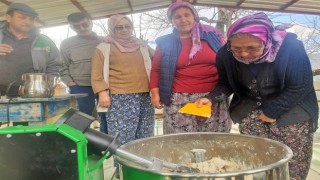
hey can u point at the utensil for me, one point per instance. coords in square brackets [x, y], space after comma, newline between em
[154, 163]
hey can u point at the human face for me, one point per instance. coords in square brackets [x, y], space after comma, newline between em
[20, 23]
[123, 30]
[246, 48]
[83, 27]
[183, 20]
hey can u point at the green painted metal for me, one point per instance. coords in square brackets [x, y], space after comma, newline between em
[129, 173]
[89, 166]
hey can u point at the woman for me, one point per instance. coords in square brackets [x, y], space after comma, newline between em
[269, 74]
[120, 78]
[184, 69]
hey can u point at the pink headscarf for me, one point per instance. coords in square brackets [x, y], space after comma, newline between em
[197, 27]
[124, 45]
[260, 25]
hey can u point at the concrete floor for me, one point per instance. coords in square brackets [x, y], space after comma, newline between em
[314, 173]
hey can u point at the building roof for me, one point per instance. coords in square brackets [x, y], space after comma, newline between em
[54, 12]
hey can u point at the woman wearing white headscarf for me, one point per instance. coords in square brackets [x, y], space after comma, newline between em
[120, 77]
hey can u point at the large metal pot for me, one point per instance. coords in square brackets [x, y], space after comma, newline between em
[265, 159]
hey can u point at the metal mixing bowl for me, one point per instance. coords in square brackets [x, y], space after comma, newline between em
[264, 159]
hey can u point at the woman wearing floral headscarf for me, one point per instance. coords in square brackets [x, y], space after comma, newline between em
[184, 69]
[120, 77]
[269, 74]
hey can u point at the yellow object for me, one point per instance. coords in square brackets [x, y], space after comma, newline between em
[191, 108]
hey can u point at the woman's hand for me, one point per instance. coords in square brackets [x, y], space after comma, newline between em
[155, 98]
[265, 118]
[203, 101]
[104, 99]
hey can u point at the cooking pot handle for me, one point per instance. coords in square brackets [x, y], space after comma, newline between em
[13, 90]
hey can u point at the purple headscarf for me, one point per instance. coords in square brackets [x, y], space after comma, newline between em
[124, 45]
[259, 25]
[197, 27]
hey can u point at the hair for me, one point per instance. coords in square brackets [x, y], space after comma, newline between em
[76, 17]
[242, 35]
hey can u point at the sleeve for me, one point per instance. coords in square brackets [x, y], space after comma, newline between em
[155, 69]
[297, 81]
[54, 63]
[97, 81]
[64, 71]
[151, 52]
[223, 89]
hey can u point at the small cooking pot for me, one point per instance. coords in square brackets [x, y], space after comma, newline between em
[36, 85]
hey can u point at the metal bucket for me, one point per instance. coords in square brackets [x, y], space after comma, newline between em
[265, 159]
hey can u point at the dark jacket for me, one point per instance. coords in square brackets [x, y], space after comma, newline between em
[170, 47]
[45, 54]
[293, 70]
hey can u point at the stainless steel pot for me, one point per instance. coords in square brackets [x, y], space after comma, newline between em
[265, 159]
[36, 85]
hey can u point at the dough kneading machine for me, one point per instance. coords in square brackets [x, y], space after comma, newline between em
[66, 150]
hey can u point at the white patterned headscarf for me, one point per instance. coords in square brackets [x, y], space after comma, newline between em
[124, 45]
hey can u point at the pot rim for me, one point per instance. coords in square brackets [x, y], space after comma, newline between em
[274, 165]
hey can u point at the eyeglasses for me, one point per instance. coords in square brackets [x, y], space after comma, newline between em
[247, 49]
[120, 28]
[78, 26]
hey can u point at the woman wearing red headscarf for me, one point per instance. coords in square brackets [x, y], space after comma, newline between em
[270, 76]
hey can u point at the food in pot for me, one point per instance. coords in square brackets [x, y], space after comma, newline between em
[217, 165]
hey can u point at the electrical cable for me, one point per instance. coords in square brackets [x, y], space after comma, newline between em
[8, 111]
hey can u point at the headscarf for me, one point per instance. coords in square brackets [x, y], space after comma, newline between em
[197, 27]
[124, 45]
[259, 25]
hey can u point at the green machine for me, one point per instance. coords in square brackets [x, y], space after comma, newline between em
[66, 150]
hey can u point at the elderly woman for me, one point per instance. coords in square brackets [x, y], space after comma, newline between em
[184, 69]
[120, 77]
[269, 74]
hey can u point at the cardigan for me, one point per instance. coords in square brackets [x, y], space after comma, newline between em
[100, 73]
[101, 68]
[293, 70]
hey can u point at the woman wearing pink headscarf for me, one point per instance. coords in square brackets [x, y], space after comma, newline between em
[184, 69]
[269, 74]
[120, 77]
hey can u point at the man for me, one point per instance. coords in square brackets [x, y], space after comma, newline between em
[76, 54]
[22, 48]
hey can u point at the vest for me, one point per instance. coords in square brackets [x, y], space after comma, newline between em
[170, 47]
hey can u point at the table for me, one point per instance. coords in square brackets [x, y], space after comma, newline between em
[37, 111]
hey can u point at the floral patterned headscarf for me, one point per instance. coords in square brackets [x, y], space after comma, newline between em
[197, 27]
[259, 25]
[124, 45]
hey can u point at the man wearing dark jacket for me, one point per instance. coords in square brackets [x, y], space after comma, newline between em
[22, 48]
